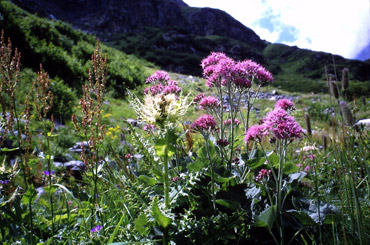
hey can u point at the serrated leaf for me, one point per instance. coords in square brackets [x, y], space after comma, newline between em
[266, 218]
[147, 180]
[140, 223]
[159, 217]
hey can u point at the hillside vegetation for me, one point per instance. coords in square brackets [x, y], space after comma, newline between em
[64, 52]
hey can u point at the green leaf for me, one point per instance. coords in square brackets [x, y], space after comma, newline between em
[8, 150]
[219, 179]
[304, 218]
[266, 218]
[147, 180]
[30, 195]
[140, 223]
[111, 238]
[289, 168]
[232, 205]
[196, 166]
[161, 218]
[160, 148]
[50, 189]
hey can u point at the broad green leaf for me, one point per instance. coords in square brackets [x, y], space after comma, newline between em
[289, 168]
[161, 218]
[219, 179]
[160, 148]
[197, 165]
[266, 218]
[147, 180]
[140, 223]
[304, 218]
[232, 205]
[30, 195]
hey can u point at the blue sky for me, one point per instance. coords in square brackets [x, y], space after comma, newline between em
[335, 26]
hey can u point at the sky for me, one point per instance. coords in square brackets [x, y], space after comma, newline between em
[336, 26]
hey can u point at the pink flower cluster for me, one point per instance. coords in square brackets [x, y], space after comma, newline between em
[198, 98]
[204, 122]
[279, 123]
[158, 76]
[263, 173]
[285, 104]
[222, 142]
[209, 102]
[228, 122]
[222, 70]
[165, 84]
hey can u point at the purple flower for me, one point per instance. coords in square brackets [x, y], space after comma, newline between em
[228, 122]
[159, 76]
[222, 142]
[171, 89]
[156, 89]
[249, 68]
[285, 104]
[256, 132]
[212, 59]
[209, 102]
[96, 228]
[47, 173]
[4, 182]
[243, 82]
[282, 125]
[198, 98]
[149, 127]
[204, 122]
[263, 173]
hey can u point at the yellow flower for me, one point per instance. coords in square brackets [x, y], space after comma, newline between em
[107, 115]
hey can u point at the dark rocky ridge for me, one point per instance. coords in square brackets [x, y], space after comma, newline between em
[105, 18]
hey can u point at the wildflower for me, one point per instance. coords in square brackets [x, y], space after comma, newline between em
[250, 68]
[222, 142]
[198, 98]
[176, 178]
[299, 165]
[96, 228]
[282, 125]
[171, 89]
[263, 173]
[243, 82]
[4, 182]
[307, 168]
[47, 173]
[236, 160]
[204, 122]
[228, 122]
[256, 132]
[156, 89]
[285, 104]
[309, 148]
[129, 156]
[149, 127]
[209, 102]
[311, 156]
[159, 76]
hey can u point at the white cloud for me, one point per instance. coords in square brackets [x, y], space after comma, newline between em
[335, 26]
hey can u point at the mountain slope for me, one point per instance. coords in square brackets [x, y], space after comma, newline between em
[175, 36]
[65, 52]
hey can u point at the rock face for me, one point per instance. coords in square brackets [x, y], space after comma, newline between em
[109, 17]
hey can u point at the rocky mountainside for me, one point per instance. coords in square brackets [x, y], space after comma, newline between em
[105, 18]
[176, 37]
